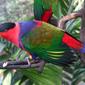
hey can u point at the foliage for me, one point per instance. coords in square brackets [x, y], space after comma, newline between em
[30, 76]
[52, 74]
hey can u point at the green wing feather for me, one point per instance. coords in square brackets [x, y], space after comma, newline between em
[38, 9]
[40, 6]
[46, 41]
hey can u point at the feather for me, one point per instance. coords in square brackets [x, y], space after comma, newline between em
[44, 8]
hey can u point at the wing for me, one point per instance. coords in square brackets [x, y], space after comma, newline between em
[38, 9]
[41, 6]
[45, 36]
[52, 3]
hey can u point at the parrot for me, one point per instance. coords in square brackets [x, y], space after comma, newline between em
[43, 9]
[41, 39]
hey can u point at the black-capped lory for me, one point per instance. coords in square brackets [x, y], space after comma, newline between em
[41, 40]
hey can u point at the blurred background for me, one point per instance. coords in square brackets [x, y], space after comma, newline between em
[18, 10]
[13, 10]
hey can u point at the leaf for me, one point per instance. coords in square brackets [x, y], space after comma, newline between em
[7, 79]
[50, 76]
[2, 46]
[16, 77]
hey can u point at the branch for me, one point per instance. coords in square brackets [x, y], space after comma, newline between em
[19, 64]
[82, 33]
[64, 19]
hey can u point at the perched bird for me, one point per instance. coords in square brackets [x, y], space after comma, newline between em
[41, 40]
[43, 9]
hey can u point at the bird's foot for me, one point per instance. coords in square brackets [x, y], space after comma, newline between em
[28, 61]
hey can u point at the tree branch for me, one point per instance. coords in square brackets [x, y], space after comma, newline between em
[19, 64]
[64, 19]
[82, 32]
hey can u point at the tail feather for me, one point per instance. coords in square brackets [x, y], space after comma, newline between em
[67, 59]
[72, 41]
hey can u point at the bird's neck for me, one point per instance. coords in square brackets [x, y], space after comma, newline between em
[12, 35]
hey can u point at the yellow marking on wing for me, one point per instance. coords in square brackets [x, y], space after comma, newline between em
[60, 52]
[55, 55]
[54, 58]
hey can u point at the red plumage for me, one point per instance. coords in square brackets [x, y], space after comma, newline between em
[71, 41]
[12, 35]
[47, 15]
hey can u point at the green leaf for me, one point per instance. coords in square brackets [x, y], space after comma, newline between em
[7, 79]
[50, 76]
[16, 77]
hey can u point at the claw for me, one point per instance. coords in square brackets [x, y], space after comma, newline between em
[28, 61]
[5, 64]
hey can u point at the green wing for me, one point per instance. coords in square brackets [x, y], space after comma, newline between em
[46, 36]
[50, 3]
[46, 42]
[40, 6]
[38, 9]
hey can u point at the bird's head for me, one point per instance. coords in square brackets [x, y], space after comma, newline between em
[6, 26]
[10, 32]
[7, 30]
